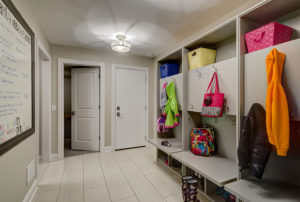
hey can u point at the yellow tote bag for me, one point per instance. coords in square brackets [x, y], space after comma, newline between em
[201, 57]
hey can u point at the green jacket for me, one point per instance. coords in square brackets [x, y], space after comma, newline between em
[171, 109]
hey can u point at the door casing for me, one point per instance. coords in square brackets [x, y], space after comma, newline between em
[60, 105]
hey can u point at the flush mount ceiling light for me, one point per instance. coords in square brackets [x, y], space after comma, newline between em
[120, 45]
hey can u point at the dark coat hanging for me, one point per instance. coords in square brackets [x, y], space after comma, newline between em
[254, 148]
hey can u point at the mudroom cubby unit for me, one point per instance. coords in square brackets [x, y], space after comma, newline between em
[242, 78]
[281, 179]
[176, 138]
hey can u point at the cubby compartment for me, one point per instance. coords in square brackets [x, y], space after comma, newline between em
[284, 12]
[163, 157]
[174, 57]
[212, 192]
[166, 160]
[222, 39]
[199, 79]
[201, 180]
[178, 80]
[255, 67]
[175, 165]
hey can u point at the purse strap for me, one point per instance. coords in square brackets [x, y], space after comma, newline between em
[214, 77]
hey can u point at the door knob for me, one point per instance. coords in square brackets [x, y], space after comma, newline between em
[118, 107]
[118, 113]
[73, 113]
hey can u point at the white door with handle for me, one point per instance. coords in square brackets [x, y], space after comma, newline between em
[130, 108]
[85, 109]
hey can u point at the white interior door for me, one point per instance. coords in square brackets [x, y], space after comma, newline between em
[130, 109]
[85, 109]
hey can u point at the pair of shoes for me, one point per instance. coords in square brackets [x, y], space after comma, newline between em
[166, 143]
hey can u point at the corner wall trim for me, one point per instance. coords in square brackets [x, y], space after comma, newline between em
[31, 192]
[53, 157]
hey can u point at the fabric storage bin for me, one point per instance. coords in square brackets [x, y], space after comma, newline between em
[201, 57]
[169, 69]
[268, 35]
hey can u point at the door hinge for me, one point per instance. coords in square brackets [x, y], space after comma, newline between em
[99, 76]
[99, 137]
[99, 107]
[145, 107]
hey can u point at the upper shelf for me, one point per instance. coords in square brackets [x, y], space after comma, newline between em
[176, 145]
[272, 10]
[217, 169]
[264, 191]
[218, 35]
[176, 55]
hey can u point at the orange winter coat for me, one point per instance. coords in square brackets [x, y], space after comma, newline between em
[277, 114]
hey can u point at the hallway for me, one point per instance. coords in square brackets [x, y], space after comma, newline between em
[127, 176]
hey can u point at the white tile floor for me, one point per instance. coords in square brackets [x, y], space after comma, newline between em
[122, 176]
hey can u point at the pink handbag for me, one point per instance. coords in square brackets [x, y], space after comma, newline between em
[269, 35]
[213, 102]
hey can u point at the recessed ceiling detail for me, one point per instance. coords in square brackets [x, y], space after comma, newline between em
[149, 25]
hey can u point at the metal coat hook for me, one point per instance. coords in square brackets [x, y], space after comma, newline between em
[215, 69]
[200, 73]
[172, 79]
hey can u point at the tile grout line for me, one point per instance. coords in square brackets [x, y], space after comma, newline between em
[63, 173]
[101, 168]
[149, 180]
[131, 187]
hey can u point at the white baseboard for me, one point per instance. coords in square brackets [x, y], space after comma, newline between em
[31, 192]
[53, 157]
[108, 149]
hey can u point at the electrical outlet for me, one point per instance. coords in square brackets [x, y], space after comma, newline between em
[31, 172]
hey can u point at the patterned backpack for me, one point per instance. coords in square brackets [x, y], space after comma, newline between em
[203, 141]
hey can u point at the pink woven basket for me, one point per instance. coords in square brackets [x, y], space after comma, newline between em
[267, 35]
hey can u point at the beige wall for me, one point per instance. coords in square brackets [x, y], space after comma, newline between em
[14, 162]
[107, 57]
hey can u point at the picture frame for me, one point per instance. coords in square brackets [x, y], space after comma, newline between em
[23, 134]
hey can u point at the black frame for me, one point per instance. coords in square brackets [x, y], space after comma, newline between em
[6, 146]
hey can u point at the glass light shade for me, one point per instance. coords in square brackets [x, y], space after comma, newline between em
[120, 46]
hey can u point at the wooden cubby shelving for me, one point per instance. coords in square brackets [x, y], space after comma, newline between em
[242, 78]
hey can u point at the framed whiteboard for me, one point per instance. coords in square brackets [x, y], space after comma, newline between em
[16, 78]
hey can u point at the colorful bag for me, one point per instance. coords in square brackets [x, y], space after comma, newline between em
[269, 35]
[203, 141]
[213, 102]
[161, 125]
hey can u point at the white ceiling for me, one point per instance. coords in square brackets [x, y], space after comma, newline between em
[149, 25]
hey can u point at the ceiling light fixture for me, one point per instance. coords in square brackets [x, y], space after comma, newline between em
[120, 45]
